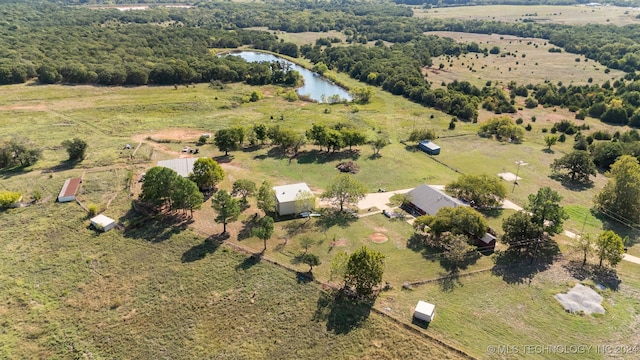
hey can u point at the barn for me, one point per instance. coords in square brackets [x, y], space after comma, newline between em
[427, 200]
[103, 223]
[429, 147]
[424, 311]
[69, 190]
[182, 166]
[286, 198]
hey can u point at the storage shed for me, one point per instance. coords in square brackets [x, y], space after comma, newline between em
[424, 311]
[69, 190]
[486, 243]
[286, 198]
[102, 222]
[429, 147]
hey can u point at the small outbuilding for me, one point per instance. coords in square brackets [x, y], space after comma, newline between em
[103, 223]
[429, 147]
[486, 243]
[69, 190]
[424, 311]
[286, 196]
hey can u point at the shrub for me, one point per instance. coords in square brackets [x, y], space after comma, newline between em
[528, 127]
[8, 197]
[93, 210]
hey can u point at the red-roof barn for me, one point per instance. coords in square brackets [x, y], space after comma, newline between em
[69, 190]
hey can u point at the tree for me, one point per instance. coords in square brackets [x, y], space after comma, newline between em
[621, 194]
[8, 197]
[305, 201]
[320, 68]
[353, 137]
[264, 230]
[244, 188]
[460, 220]
[345, 190]
[584, 244]
[75, 148]
[311, 260]
[610, 247]
[227, 140]
[422, 134]
[362, 95]
[227, 208]
[306, 242]
[520, 232]
[457, 248]
[546, 211]
[339, 266]
[364, 270]
[261, 132]
[207, 173]
[378, 144]
[578, 163]
[266, 198]
[186, 195]
[157, 186]
[606, 153]
[478, 190]
[19, 152]
[550, 140]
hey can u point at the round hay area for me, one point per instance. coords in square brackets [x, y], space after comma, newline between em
[378, 238]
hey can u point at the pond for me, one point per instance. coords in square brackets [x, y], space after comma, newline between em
[316, 87]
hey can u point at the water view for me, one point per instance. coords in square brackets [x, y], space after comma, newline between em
[316, 87]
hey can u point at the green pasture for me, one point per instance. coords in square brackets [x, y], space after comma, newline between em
[543, 14]
[529, 62]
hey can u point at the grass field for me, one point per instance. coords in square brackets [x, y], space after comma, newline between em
[569, 15]
[158, 291]
[529, 62]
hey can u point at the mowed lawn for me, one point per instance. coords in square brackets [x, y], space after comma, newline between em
[543, 14]
[523, 60]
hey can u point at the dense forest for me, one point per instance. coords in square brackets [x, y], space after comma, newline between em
[54, 42]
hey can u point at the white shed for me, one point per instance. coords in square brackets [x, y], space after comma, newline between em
[103, 223]
[286, 198]
[424, 311]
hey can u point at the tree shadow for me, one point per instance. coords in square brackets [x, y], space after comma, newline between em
[333, 217]
[341, 313]
[516, 266]
[449, 282]
[247, 225]
[298, 226]
[223, 159]
[548, 151]
[412, 148]
[154, 228]
[304, 277]
[374, 156]
[14, 171]
[200, 251]
[572, 185]
[320, 157]
[249, 262]
[599, 275]
[62, 166]
[491, 212]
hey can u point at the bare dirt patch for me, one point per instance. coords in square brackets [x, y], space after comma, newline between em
[339, 242]
[378, 238]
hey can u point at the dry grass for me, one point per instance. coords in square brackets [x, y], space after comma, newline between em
[570, 15]
[527, 63]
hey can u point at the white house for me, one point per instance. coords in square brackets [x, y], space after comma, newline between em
[424, 311]
[286, 198]
[103, 223]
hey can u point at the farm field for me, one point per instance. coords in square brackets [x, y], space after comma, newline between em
[525, 61]
[69, 291]
[569, 15]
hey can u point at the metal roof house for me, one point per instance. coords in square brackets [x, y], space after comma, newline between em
[286, 197]
[182, 166]
[427, 200]
[69, 190]
[429, 147]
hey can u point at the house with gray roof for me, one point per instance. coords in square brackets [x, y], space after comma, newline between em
[427, 200]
